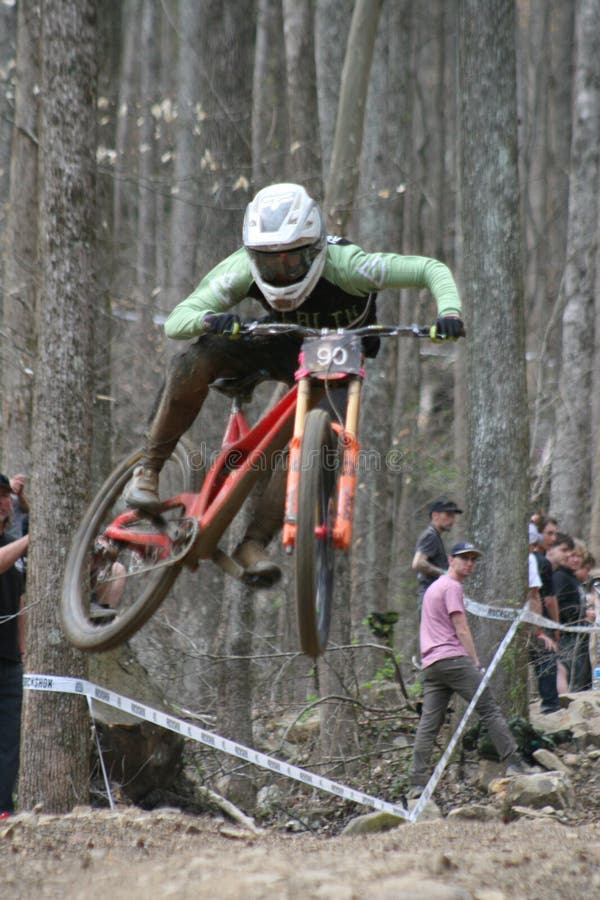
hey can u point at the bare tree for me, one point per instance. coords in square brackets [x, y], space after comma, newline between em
[595, 524]
[185, 189]
[332, 25]
[498, 433]
[338, 724]
[571, 463]
[343, 174]
[423, 377]
[305, 143]
[270, 138]
[20, 251]
[8, 31]
[379, 219]
[55, 744]
[124, 194]
[545, 79]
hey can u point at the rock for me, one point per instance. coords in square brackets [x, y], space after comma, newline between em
[475, 811]
[382, 694]
[268, 798]
[579, 714]
[549, 760]
[430, 810]
[546, 789]
[586, 731]
[571, 759]
[301, 732]
[372, 823]
[488, 772]
[498, 785]
[548, 812]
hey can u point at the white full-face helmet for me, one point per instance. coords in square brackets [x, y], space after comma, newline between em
[285, 237]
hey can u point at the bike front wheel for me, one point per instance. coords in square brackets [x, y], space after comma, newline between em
[314, 532]
[111, 588]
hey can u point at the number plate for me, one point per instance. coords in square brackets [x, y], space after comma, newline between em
[333, 354]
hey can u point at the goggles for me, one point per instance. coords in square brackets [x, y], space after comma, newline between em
[284, 266]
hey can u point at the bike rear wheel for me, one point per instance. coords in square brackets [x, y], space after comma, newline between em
[110, 588]
[314, 538]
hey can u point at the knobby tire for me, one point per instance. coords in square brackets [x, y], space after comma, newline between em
[82, 630]
[314, 540]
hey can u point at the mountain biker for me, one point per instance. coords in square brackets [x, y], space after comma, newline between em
[298, 274]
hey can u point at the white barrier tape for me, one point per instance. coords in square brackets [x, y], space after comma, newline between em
[445, 757]
[64, 685]
[507, 613]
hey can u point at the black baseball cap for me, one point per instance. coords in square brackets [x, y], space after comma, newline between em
[4, 481]
[464, 548]
[442, 504]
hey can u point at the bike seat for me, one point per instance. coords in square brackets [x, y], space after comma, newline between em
[240, 387]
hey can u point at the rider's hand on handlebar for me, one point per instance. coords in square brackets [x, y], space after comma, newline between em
[225, 324]
[447, 328]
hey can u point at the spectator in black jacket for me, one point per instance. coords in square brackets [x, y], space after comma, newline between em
[11, 648]
[566, 589]
[542, 644]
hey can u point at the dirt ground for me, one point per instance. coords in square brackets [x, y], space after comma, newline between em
[494, 851]
[133, 854]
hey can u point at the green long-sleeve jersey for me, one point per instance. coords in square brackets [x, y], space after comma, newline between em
[350, 277]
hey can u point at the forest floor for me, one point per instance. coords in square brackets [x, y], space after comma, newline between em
[301, 850]
[133, 854]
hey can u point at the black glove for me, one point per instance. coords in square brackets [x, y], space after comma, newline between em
[447, 328]
[223, 323]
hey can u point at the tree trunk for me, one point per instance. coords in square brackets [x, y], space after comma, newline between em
[571, 463]
[544, 294]
[8, 31]
[332, 25]
[56, 729]
[126, 153]
[498, 440]
[305, 145]
[20, 252]
[236, 688]
[185, 190]
[270, 140]
[375, 575]
[595, 523]
[347, 144]
[337, 677]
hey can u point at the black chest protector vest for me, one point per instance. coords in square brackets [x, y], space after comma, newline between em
[329, 306]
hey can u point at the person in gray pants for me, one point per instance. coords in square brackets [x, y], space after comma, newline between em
[451, 665]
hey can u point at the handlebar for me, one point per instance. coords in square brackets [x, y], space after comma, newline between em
[270, 328]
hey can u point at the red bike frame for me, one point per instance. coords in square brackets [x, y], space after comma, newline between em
[241, 459]
[246, 451]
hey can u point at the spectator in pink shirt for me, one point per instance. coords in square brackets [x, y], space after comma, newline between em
[450, 664]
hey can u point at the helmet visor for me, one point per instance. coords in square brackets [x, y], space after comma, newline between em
[285, 266]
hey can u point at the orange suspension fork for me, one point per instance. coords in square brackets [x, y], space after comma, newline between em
[342, 529]
[288, 536]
